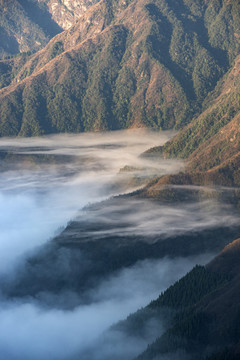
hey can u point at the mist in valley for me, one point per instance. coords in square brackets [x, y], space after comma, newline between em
[76, 183]
[45, 181]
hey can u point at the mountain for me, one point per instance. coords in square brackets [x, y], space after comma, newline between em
[65, 12]
[28, 25]
[114, 64]
[122, 64]
[25, 26]
[195, 318]
[211, 142]
[205, 304]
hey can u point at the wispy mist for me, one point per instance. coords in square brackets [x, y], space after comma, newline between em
[151, 219]
[28, 331]
[47, 182]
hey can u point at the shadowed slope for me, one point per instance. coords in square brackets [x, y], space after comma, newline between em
[205, 312]
[122, 64]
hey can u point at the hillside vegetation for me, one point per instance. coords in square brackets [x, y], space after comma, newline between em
[122, 64]
[206, 324]
[200, 314]
[211, 142]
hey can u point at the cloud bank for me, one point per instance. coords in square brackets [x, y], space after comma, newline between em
[46, 182]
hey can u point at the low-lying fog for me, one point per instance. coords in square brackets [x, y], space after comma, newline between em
[44, 183]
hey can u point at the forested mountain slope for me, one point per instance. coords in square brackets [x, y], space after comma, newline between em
[211, 142]
[197, 317]
[122, 64]
[206, 303]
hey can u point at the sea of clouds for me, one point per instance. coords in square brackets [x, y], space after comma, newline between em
[45, 183]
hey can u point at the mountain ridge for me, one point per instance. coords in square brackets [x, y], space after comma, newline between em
[211, 142]
[156, 76]
[25, 26]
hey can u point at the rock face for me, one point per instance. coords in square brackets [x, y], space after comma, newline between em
[66, 12]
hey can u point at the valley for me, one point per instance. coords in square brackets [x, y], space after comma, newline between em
[119, 179]
[118, 250]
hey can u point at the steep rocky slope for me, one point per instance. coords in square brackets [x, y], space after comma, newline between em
[66, 12]
[28, 25]
[25, 26]
[122, 64]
